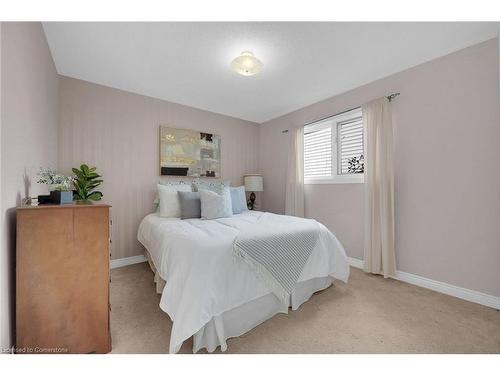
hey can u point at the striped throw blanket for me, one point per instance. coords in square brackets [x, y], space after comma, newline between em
[278, 252]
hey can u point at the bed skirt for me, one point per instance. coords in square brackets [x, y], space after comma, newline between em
[160, 283]
[241, 319]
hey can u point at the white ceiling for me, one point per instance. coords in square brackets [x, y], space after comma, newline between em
[306, 62]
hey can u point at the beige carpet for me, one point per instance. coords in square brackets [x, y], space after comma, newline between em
[368, 315]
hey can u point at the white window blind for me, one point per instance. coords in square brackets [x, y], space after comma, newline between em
[318, 153]
[350, 145]
[333, 149]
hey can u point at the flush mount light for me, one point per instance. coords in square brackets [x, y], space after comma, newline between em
[246, 64]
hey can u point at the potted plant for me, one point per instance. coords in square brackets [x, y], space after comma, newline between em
[59, 185]
[86, 181]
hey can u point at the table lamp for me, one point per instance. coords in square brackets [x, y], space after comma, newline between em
[253, 183]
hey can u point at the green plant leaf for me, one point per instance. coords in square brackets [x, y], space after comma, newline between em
[81, 194]
[95, 196]
[78, 173]
[85, 169]
[82, 184]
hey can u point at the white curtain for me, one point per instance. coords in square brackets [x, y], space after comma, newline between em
[294, 198]
[380, 255]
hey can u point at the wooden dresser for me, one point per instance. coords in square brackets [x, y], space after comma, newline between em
[62, 279]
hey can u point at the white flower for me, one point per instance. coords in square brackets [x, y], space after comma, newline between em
[50, 177]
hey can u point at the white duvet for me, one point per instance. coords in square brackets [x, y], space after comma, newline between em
[204, 278]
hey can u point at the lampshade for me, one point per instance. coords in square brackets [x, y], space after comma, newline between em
[246, 64]
[254, 182]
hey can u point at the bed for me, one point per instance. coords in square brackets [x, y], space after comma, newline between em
[211, 294]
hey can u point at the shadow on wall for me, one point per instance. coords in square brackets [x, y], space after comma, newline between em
[10, 220]
[10, 254]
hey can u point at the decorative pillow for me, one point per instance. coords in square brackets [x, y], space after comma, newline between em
[169, 199]
[156, 202]
[190, 204]
[216, 186]
[238, 199]
[214, 206]
[174, 182]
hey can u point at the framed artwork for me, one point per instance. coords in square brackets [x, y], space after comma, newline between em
[189, 153]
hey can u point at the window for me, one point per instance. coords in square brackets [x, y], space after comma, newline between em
[333, 149]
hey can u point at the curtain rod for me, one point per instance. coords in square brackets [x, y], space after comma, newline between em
[390, 98]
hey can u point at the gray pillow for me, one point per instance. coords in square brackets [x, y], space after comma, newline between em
[238, 199]
[190, 204]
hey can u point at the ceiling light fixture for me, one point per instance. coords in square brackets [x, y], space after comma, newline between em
[246, 64]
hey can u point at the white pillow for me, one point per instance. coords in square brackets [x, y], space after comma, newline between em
[156, 202]
[169, 200]
[214, 206]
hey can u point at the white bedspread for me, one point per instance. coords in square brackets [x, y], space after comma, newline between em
[204, 278]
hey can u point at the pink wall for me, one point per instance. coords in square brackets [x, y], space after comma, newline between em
[118, 132]
[29, 94]
[447, 179]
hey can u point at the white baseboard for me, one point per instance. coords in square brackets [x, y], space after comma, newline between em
[122, 262]
[439, 286]
[355, 262]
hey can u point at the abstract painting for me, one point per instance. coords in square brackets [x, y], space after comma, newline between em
[189, 153]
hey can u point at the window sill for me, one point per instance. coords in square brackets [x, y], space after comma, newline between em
[338, 180]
